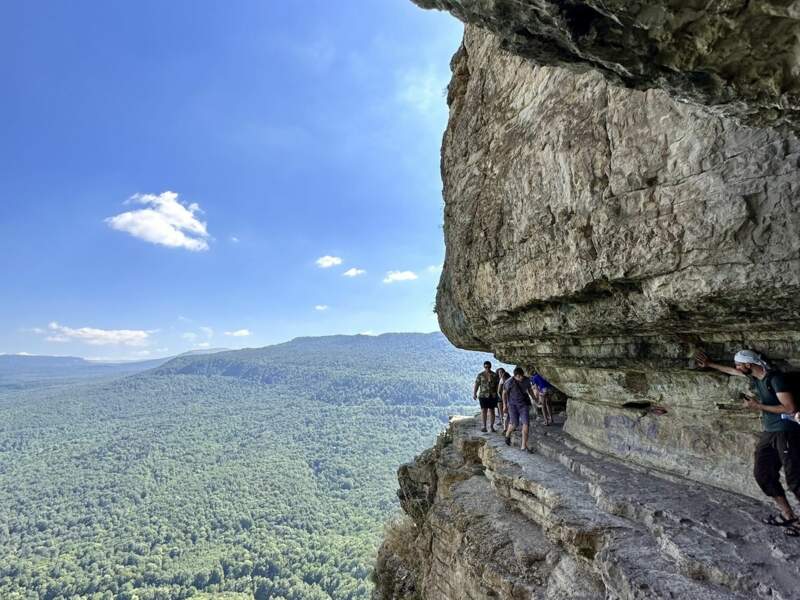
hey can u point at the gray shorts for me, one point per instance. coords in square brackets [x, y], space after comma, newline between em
[518, 413]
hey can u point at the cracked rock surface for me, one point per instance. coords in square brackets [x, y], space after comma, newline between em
[738, 56]
[563, 522]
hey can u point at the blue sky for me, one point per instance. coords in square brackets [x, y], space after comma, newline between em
[171, 173]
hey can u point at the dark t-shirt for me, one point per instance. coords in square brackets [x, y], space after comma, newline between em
[778, 383]
[517, 391]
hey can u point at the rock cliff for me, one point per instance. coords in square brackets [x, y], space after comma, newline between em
[562, 523]
[603, 234]
[738, 56]
[621, 185]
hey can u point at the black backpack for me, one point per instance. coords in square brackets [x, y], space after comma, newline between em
[792, 379]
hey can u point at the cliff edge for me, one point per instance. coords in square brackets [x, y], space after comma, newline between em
[621, 185]
[563, 523]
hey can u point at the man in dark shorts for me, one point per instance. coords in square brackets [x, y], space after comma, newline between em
[517, 396]
[485, 391]
[779, 444]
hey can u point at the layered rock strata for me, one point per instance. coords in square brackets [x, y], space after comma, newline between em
[739, 56]
[602, 235]
[563, 522]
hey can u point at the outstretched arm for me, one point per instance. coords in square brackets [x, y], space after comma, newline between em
[701, 360]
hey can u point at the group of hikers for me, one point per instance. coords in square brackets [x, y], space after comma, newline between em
[769, 391]
[513, 395]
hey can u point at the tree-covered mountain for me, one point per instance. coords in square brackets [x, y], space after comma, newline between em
[266, 473]
[24, 370]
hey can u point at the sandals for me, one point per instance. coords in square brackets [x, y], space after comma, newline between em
[780, 521]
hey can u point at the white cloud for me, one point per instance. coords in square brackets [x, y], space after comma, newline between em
[434, 268]
[368, 332]
[353, 272]
[321, 307]
[234, 239]
[189, 335]
[393, 276]
[165, 221]
[327, 261]
[99, 337]
[203, 345]
[239, 333]
[423, 90]
[208, 331]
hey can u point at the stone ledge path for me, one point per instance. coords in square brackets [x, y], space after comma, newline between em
[648, 535]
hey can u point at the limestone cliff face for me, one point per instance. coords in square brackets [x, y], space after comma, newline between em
[739, 56]
[602, 234]
[622, 188]
[561, 523]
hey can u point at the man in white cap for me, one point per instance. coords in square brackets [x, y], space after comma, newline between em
[779, 444]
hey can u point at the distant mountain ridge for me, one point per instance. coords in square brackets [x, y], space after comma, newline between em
[448, 371]
[25, 369]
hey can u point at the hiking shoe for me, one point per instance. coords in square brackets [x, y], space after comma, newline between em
[483, 429]
[508, 441]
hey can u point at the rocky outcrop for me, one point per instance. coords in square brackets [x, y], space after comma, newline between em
[602, 235]
[622, 189]
[739, 56]
[563, 523]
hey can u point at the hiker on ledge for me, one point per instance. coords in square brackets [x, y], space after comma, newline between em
[503, 376]
[517, 396]
[779, 444]
[543, 391]
[485, 391]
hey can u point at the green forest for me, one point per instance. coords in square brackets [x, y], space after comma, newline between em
[264, 473]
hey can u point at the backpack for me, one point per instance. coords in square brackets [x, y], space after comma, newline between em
[792, 379]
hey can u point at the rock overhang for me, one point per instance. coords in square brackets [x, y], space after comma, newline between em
[741, 58]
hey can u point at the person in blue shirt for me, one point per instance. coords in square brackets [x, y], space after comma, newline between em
[543, 392]
[779, 444]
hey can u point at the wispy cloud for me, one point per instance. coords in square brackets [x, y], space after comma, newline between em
[203, 345]
[99, 337]
[165, 221]
[393, 276]
[239, 333]
[422, 89]
[207, 331]
[434, 268]
[327, 261]
[353, 272]
[234, 239]
[321, 307]
[189, 336]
